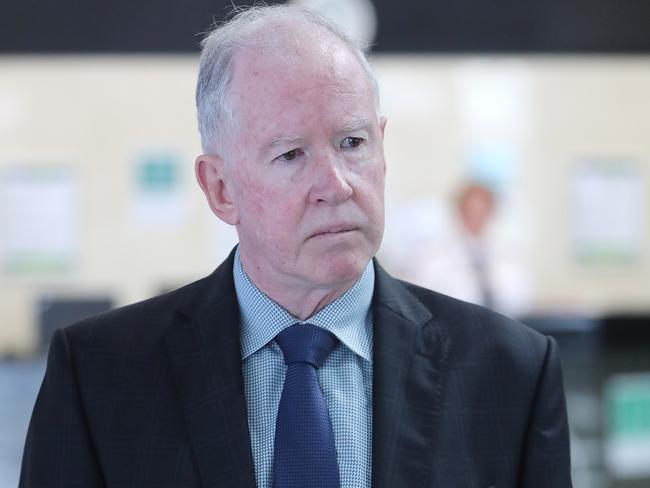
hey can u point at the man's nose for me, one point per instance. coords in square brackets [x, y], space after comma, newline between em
[330, 183]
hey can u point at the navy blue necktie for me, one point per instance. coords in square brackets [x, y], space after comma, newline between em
[304, 453]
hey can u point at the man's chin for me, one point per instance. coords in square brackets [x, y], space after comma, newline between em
[340, 269]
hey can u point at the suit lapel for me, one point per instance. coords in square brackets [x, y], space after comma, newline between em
[409, 367]
[203, 347]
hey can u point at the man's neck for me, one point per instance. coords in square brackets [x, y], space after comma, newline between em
[301, 302]
[299, 299]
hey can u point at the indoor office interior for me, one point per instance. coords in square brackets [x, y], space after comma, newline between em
[518, 177]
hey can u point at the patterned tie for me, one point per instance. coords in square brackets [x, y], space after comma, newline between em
[305, 454]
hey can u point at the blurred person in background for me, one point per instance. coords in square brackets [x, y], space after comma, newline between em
[475, 208]
[465, 253]
[299, 362]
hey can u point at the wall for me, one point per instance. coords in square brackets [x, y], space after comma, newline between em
[99, 115]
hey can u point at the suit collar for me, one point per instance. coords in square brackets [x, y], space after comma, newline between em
[409, 367]
[347, 317]
[204, 351]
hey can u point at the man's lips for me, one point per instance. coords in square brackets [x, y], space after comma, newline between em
[334, 229]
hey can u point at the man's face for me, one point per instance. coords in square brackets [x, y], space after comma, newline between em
[306, 171]
[476, 208]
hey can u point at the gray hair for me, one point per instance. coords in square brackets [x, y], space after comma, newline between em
[214, 108]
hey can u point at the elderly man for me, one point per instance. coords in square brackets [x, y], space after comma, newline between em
[299, 362]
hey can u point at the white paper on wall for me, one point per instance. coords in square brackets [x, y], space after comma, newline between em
[39, 216]
[609, 212]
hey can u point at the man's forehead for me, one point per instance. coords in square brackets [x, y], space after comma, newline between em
[281, 94]
[289, 39]
[293, 80]
[304, 48]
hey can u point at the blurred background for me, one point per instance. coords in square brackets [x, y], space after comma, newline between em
[518, 150]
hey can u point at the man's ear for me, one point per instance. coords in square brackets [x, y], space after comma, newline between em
[382, 124]
[214, 179]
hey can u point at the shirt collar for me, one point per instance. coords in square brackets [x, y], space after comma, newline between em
[349, 317]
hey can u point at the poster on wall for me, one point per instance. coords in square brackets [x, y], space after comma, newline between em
[159, 201]
[608, 221]
[39, 218]
[627, 440]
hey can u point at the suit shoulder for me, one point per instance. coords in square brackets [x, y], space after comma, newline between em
[143, 321]
[480, 329]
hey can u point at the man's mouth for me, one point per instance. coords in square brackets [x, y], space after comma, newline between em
[334, 230]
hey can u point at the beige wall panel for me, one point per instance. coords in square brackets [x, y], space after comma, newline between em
[99, 114]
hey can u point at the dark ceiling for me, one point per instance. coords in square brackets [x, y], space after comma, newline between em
[451, 26]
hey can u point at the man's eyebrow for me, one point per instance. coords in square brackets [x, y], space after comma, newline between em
[351, 127]
[356, 125]
[285, 140]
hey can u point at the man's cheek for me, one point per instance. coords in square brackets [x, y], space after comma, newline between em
[261, 199]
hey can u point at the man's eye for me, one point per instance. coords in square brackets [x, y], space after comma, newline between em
[290, 155]
[352, 142]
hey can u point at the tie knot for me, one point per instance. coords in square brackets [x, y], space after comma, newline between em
[306, 343]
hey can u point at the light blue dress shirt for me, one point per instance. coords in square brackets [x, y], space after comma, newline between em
[346, 375]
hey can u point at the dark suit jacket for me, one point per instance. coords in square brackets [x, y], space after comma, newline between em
[151, 395]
